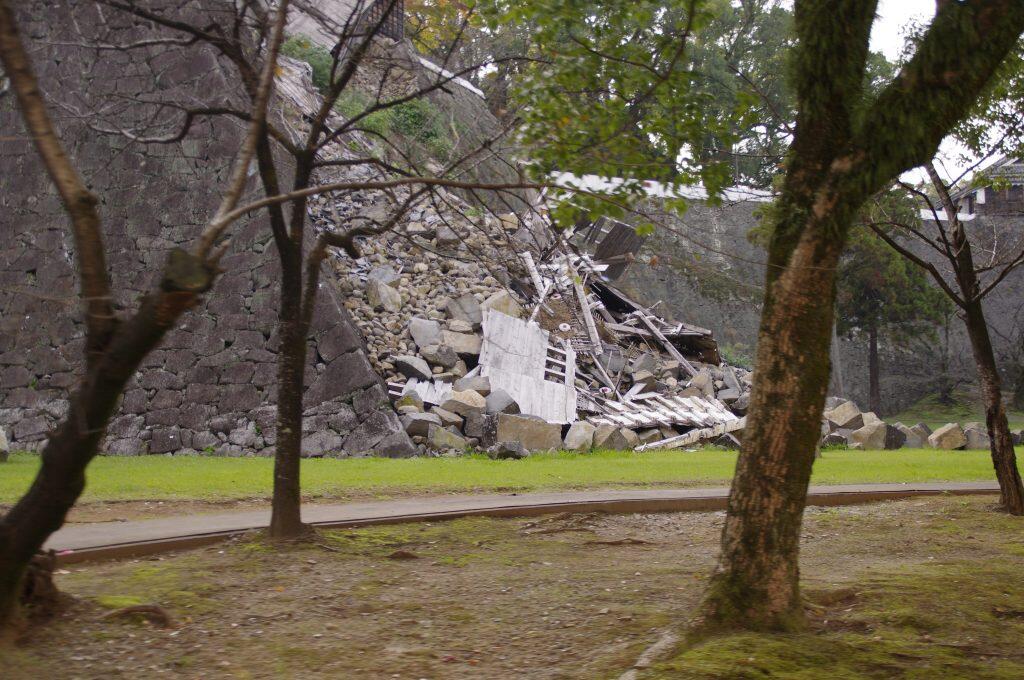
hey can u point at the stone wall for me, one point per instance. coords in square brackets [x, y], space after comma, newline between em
[705, 271]
[210, 387]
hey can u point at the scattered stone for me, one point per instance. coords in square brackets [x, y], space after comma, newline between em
[913, 440]
[878, 436]
[649, 435]
[410, 401]
[418, 424]
[602, 434]
[869, 418]
[412, 367]
[482, 427]
[460, 326]
[440, 355]
[386, 274]
[464, 402]
[467, 309]
[727, 441]
[837, 438]
[580, 436]
[530, 431]
[381, 296]
[464, 344]
[949, 437]
[447, 417]
[500, 401]
[622, 439]
[479, 384]
[507, 451]
[977, 437]
[922, 431]
[704, 383]
[504, 303]
[847, 416]
[425, 332]
[441, 439]
[5, 447]
[446, 237]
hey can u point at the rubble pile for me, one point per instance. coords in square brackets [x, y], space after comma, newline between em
[845, 426]
[495, 332]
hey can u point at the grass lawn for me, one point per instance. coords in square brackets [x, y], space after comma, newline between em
[214, 479]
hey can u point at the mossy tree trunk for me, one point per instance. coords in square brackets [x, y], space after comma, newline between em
[844, 150]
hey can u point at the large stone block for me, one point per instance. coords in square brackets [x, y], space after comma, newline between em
[412, 367]
[464, 344]
[381, 296]
[465, 402]
[580, 436]
[500, 401]
[846, 416]
[442, 439]
[533, 433]
[913, 439]
[948, 437]
[344, 375]
[878, 436]
[418, 424]
[977, 437]
[425, 332]
[465, 308]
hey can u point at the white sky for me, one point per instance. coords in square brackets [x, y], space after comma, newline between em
[887, 37]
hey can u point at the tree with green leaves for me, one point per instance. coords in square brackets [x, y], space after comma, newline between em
[848, 144]
[881, 294]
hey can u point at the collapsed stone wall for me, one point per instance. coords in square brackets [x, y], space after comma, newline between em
[210, 387]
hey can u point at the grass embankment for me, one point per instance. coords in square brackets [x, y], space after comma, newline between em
[965, 408]
[210, 478]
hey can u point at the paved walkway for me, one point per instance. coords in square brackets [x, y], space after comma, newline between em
[120, 539]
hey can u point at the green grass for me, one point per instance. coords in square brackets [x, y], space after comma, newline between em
[211, 478]
[964, 409]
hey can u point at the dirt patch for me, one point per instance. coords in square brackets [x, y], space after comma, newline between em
[564, 596]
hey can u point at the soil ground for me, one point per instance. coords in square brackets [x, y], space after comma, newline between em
[924, 588]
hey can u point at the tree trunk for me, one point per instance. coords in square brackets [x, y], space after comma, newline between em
[61, 477]
[1004, 458]
[874, 390]
[756, 583]
[286, 511]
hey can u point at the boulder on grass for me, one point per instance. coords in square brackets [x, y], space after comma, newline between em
[837, 438]
[507, 451]
[602, 434]
[877, 436]
[847, 416]
[622, 439]
[913, 439]
[922, 431]
[580, 436]
[481, 427]
[532, 432]
[442, 439]
[949, 437]
[976, 435]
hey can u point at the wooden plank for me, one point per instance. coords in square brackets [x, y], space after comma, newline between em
[669, 347]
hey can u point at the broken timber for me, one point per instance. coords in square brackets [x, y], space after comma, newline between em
[695, 436]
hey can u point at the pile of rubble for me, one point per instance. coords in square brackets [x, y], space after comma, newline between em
[495, 332]
[844, 425]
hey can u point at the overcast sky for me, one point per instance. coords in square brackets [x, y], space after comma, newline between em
[893, 16]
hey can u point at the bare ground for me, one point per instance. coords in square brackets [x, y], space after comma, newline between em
[565, 596]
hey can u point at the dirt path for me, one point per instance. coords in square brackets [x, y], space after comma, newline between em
[556, 597]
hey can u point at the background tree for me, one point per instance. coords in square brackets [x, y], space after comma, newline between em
[116, 343]
[969, 283]
[880, 293]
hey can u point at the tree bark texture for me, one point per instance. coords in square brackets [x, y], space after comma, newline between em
[874, 388]
[286, 519]
[61, 478]
[844, 150]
